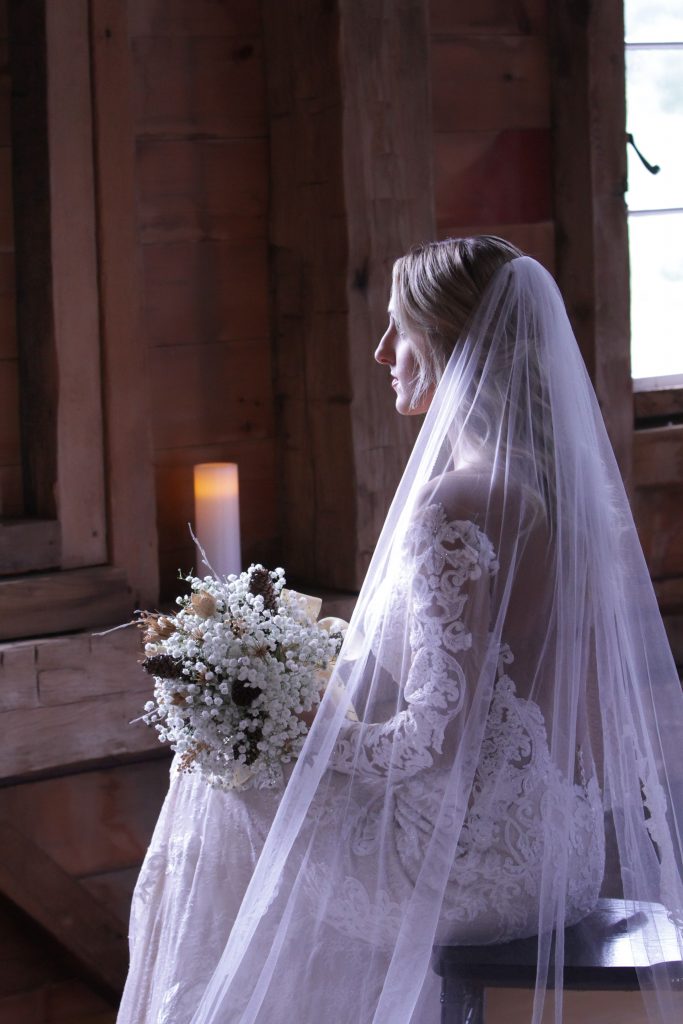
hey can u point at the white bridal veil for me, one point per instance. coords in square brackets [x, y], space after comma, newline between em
[517, 753]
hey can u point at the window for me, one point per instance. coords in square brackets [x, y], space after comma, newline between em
[654, 97]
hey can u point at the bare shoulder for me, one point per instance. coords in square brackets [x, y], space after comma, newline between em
[465, 493]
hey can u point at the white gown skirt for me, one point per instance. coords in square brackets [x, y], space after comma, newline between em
[197, 868]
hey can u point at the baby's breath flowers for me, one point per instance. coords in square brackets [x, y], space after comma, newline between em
[234, 670]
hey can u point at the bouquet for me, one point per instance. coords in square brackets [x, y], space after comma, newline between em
[234, 670]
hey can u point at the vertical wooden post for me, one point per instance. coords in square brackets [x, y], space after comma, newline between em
[589, 142]
[126, 386]
[351, 190]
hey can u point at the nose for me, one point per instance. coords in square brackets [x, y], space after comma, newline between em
[384, 353]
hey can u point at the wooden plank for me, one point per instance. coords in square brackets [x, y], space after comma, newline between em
[589, 168]
[69, 1002]
[28, 958]
[36, 884]
[496, 177]
[29, 545]
[190, 86]
[132, 535]
[202, 18]
[44, 603]
[507, 83]
[10, 447]
[11, 492]
[669, 595]
[80, 472]
[658, 404]
[18, 676]
[211, 393]
[191, 189]
[8, 316]
[5, 87]
[351, 190]
[34, 306]
[6, 207]
[92, 823]
[658, 456]
[657, 511]
[68, 735]
[524, 17]
[205, 291]
[390, 202]
[537, 240]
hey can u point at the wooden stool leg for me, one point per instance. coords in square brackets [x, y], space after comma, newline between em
[462, 1002]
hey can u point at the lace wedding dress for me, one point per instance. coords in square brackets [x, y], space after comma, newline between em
[494, 881]
[199, 863]
[194, 878]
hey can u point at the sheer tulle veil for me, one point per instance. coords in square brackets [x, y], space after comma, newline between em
[516, 752]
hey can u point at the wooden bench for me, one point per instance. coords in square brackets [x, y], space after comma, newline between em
[602, 952]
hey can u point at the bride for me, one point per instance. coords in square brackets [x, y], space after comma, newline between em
[509, 700]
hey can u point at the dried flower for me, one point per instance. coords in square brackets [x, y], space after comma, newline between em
[204, 605]
[231, 677]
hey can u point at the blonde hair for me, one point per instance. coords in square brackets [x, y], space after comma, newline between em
[435, 289]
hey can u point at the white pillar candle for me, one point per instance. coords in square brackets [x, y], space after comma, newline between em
[217, 515]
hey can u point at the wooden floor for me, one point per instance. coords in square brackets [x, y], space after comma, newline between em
[513, 1006]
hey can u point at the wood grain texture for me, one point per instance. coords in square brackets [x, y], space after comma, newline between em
[92, 823]
[506, 78]
[29, 545]
[200, 18]
[69, 735]
[489, 17]
[78, 922]
[205, 291]
[6, 206]
[198, 85]
[658, 456]
[389, 189]
[80, 454]
[589, 168]
[43, 603]
[132, 535]
[8, 307]
[351, 190]
[10, 445]
[11, 492]
[34, 301]
[208, 394]
[192, 189]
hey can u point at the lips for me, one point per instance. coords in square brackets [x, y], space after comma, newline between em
[394, 382]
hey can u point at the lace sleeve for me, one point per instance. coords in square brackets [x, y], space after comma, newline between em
[451, 563]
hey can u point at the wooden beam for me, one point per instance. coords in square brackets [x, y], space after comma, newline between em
[32, 221]
[73, 243]
[44, 603]
[352, 189]
[29, 545]
[589, 161]
[658, 456]
[67, 911]
[70, 700]
[132, 533]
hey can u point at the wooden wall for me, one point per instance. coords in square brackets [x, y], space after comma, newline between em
[202, 170]
[10, 474]
[492, 122]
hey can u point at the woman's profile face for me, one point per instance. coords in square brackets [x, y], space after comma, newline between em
[396, 350]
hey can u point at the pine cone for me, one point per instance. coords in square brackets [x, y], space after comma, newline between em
[261, 584]
[163, 666]
[243, 695]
